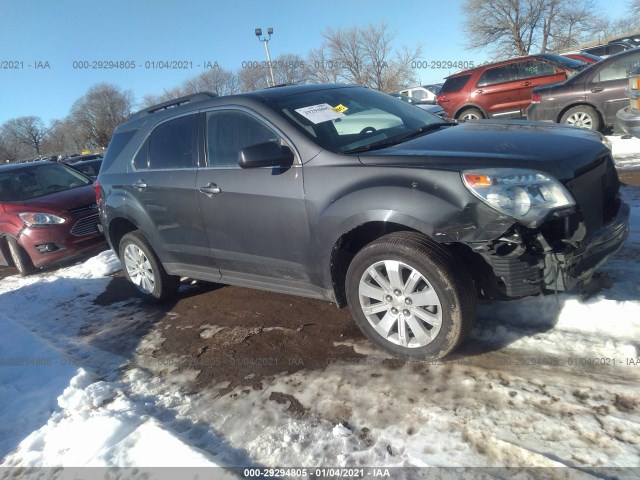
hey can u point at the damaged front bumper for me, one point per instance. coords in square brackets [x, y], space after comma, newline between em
[536, 265]
[573, 269]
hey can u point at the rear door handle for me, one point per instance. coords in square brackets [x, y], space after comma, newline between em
[210, 189]
[527, 84]
[597, 89]
[479, 91]
[140, 185]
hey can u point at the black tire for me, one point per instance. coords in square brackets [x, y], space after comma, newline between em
[582, 116]
[470, 114]
[164, 286]
[20, 258]
[439, 269]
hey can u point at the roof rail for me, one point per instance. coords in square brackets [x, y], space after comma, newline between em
[176, 102]
[282, 85]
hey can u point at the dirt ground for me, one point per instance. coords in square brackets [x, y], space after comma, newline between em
[242, 336]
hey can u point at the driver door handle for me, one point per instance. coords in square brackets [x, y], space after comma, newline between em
[597, 89]
[140, 185]
[210, 189]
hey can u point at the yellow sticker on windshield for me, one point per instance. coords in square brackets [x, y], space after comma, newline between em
[340, 108]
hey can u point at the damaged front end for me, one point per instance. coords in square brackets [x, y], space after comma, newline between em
[563, 250]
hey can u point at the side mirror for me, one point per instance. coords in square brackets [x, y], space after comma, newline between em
[267, 154]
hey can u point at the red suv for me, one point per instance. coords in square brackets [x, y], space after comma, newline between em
[48, 213]
[502, 89]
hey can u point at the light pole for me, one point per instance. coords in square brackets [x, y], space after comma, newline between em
[265, 40]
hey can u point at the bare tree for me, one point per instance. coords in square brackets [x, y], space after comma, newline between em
[29, 131]
[99, 112]
[367, 56]
[63, 138]
[521, 27]
[11, 148]
[215, 80]
[254, 76]
[320, 69]
[290, 68]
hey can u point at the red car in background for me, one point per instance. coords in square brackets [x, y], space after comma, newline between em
[503, 89]
[48, 213]
[583, 57]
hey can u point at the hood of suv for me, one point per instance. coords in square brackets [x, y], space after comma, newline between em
[562, 151]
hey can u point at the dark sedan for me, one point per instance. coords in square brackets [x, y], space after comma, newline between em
[589, 99]
[48, 213]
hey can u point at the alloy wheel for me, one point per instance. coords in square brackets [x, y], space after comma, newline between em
[400, 304]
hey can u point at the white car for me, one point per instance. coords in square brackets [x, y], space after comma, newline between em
[425, 93]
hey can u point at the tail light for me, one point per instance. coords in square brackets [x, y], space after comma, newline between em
[535, 98]
[439, 98]
[98, 190]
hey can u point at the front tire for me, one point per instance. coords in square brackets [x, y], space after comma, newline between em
[410, 296]
[582, 116]
[20, 258]
[143, 268]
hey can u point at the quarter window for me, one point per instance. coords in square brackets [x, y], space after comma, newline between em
[230, 131]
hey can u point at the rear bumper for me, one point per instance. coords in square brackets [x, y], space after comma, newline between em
[629, 121]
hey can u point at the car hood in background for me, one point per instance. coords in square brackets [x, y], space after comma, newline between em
[55, 202]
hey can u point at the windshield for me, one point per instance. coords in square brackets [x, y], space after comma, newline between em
[350, 118]
[37, 180]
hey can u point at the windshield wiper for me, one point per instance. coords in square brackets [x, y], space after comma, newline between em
[388, 142]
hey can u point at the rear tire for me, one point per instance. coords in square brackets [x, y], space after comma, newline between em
[410, 296]
[20, 258]
[143, 268]
[582, 116]
[470, 114]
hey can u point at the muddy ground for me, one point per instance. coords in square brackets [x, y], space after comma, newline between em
[242, 336]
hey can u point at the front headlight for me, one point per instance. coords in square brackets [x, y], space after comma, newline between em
[606, 142]
[37, 218]
[526, 195]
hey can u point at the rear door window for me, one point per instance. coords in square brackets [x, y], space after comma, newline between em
[534, 68]
[454, 84]
[171, 145]
[501, 74]
[617, 69]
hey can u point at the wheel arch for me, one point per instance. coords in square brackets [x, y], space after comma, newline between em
[350, 243]
[118, 228]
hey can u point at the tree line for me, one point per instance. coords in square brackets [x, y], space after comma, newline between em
[364, 55]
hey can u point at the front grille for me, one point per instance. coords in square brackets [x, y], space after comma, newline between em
[85, 208]
[596, 192]
[86, 225]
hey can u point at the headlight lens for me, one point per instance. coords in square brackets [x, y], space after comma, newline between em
[526, 195]
[606, 142]
[37, 218]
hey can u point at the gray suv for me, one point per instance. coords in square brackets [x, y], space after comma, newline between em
[345, 194]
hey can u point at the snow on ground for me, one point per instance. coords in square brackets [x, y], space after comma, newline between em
[625, 151]
[542, 382]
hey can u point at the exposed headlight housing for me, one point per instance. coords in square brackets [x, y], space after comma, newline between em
[39, 218]
[526, 195]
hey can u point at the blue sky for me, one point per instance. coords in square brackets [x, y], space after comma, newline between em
[61, 32]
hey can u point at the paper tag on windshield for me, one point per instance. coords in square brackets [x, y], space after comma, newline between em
[319, 113]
